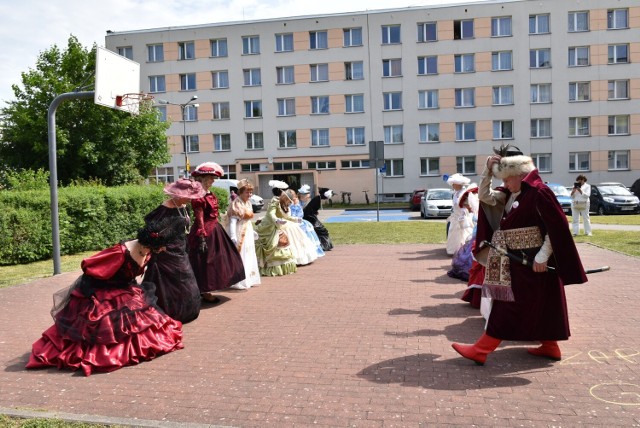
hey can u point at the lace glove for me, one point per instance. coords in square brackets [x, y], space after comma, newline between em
[233, 222]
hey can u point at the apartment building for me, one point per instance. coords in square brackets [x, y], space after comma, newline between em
[301, 98]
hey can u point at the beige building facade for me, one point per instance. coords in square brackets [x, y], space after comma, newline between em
[300, 98]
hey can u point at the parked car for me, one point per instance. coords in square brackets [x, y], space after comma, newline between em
[414, 201]
[563, 195]
[436, 203]
[256, 203]
[613, 198]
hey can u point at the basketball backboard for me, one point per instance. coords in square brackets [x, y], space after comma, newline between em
[117, 81]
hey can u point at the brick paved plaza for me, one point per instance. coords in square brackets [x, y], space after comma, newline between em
[359, 338]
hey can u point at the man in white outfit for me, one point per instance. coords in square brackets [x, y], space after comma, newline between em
[580, 205]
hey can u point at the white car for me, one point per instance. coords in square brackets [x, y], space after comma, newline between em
[436, 203]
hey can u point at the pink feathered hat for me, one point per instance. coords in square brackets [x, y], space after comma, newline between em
[185, 189]
[208, 168]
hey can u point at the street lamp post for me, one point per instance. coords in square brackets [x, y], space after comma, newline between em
[183, 110]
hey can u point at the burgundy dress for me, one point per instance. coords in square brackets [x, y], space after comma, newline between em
[105, 320]
[221, 265]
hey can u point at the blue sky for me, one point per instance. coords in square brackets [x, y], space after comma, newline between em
[33, 26]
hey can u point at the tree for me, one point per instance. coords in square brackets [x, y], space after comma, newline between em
[93, 142]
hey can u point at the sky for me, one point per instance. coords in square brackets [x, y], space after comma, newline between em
[31, 27]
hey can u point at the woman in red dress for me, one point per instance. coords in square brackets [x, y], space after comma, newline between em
[106, 320]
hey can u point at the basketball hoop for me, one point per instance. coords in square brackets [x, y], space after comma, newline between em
[131, 102]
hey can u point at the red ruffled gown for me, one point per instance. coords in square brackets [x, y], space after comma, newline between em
[105, 320]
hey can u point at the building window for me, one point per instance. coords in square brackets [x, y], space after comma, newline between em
[618, 159]
[466, 164]
[618, 89]
[155, 53]
[429, 133]
[221, 111]
[320, 105]
[318, 40]
[252, 77]
[287, 166]
[393, 134]
[322, 165]
[190, 113]
[501, 61]
[392, 100]
[192, 143]
[319, 72]
[250, 45]
[287, 139]
[354, 103]
[618, 54]
[542, 161]
[465, 97]
[502, 95]
[618, 125]
[539, 24]
[394, 167]
[465, 131]
[541, 93]
[255, 141]
[501, 26]
[578, 21]
[188, 82]
[427, 65]
[353, 164]
[428, 99]
[219, 48]
[503, 129]
[617, 19]
[391, 34]
[579, 56]
[464, 63]
[579, 91]
[354, 70]
[352, 37]
[220, 79]
[463, 29]
[162, 112]
[221, 142]
[252, 109]
[355, 136]
[126, 51]
[540, 58]
[579, 126]
[284, 42]
[250, 167]
[427, 32]
[319, 138]
[579, 161]
[186, 50]
[285, 75]
[163, 175]
[540, 128]
[286, 106]
[157, 84]
[430, 166]
[391, 67]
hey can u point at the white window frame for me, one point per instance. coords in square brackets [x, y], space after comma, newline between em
[577, 161]
[463, 29]
[253, 109]
[430, 166]
[429, 133]
[618, 160]
[188, 82]
[501, 26]
[578, 21]
[391, 34]
[192, 143]
[465, 97]
[538, 92]
[352, 37]
[354, 103]
[252, 77]
[351, 69]
[613, 19]
[464, 128]
[618, 124]
[503, 130]
[428, 99]
[320, 137]
[355, 136]
[219, 48]
[221, 142]
[615, 57]
[579, 92]
[466, 165]
[502, 61]
[540, 58]
[319, 72]
[579, 56]
[221, 110]
[285, 75]
[190, 113]
[354, 164]
[255, 140]
[393, 134]
[502, 95]
[427, 65]
[286, 107]
[220, 79]
[542, 161]
[287, 139]
[186, 51]
[615, 86]
[155, 52]
[392, 67]
[394, 167]
[541, 128]
[320, 104]
[425, 29]
[464, 63]
[318, 40]
[126, 51]
[157, 84]
[392, 101]
[284, 42]
[250, 45]
[580, 126]
[540, 24]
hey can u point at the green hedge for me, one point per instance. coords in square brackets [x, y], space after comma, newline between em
[91, 218]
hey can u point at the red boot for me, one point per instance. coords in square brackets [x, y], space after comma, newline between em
[549, 349]
[478, 352]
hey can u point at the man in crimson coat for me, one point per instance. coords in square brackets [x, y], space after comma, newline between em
[525, 218]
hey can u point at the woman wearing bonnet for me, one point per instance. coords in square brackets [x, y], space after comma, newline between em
[461, 218]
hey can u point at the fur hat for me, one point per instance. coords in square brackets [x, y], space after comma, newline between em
[513, 165]
[458, 179]
[208, 168]
[185, 189]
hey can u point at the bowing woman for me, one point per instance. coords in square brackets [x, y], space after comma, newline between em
[105, 320]
[311, 210]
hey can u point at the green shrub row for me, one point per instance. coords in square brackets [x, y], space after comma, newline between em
[90, 218]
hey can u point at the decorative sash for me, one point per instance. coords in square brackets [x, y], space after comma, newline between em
[497, 279]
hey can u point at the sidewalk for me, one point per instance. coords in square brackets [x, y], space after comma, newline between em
[359, 338]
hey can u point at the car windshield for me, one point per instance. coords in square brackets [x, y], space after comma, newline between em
[559, 190]
[439, 194]
[614, 191]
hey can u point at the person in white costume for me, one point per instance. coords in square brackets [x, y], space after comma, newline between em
[461, 218]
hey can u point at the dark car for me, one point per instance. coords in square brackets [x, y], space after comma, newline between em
[414, 201]
[635, 188]
[563, 196]
[613, 198]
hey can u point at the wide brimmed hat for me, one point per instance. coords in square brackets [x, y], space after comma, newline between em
[208, 168]
[305, 189]
[185, 189]
[513, 165]
[458, 179]
[278, 184]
